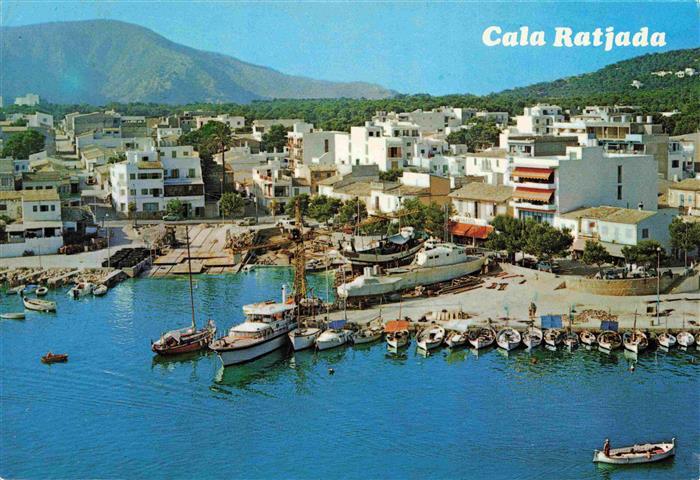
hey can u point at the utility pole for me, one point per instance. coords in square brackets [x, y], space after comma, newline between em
[658, 283]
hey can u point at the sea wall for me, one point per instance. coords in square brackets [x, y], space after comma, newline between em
[620, 287]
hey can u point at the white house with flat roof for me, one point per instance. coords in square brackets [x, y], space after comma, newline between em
[40, 229]
[139, 181]
[182, 179]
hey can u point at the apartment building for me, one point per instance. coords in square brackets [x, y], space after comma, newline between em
[233, 121]
[39, 230]
[138, 181]
[538, 119]
[272, 185]
[307, 146]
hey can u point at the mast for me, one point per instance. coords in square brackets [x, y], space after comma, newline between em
[299, 257]
[189, 274]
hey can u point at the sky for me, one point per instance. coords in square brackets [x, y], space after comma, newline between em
[409, 46]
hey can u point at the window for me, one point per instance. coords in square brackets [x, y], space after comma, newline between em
[191, 173]
[619, 192]
[144, 191]
[3, 207]
[326, 146]
[132, 176]
[674, 164]
[132, 192]
[175, 173]
[174, 153]
[43, 208]
[619, 175]
[645, 233]
[53, 208]
[35, 209]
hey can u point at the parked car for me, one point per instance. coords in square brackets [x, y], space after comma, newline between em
[544, 266]
[171, 217]
[248, 221]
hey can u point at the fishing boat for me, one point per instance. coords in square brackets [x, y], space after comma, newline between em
[396, 249]
[16, 290]
[100, 290]
[367, 335]
[430, 338]
[570, 340]
[303, 337]
[80, 290]
[38, 305]
[609, 340]
[41, 291]
[482, 337]
[553, 337]
[397, 333]
[637, 453]
[54, 358]
[685, 339]
[508, 339]
[457, 339]
[187, 339]
[587, 338]
[532, 337]
[635, 341]
[334, 336]
[12, 315]
[666, 340]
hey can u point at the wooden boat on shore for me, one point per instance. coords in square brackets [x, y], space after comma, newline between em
[553, 337]
[635, 341]
[508, 339]
[587, 338]
[457, 339]
[482, 337]
[12, 315]
[666, 340]
[609, 340]
[100, 290]
[397, 333]
[430, 338]
[41, 291]
[685, 339]
[54, 358]
[638, 453]
[532, 337]
[38, 305]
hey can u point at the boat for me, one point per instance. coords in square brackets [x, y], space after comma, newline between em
[637, 453]
[666, 340]
[303, 337]
[54, 358]
[430, 338]
[609, 340]
[553, 337]
[100, 290]
[508, 339]
[436, 262]
[367, 335]
[457, 339]
[16, 290]
[635, 341]
[396, 249]
[187, 339]
[80, 290]
[41, 291]
[12, 315]
[587, 338]
[38, 305]
[685, 339]
[532, 337]
[315, 266]
[334, 336]
[570, 340]
[482, 337]
[397, 333]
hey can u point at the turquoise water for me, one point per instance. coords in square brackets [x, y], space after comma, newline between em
[115, 412]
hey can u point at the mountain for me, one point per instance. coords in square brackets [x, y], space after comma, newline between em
[99, 61]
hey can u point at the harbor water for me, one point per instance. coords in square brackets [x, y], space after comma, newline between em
[115, 411]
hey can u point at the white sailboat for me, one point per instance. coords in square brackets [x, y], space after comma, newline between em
[636, 340]
[508, 339]
[334, 336]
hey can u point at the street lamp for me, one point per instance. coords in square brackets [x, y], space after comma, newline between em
[658, 282]
[109, 257]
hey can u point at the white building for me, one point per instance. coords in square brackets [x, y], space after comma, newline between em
[538, 119]
[37, 119]
[308, 146]
[271, 184]
[260, 127]
[138, 181]
[437, 120]
[233, 121]
[40, 228]
[29, 100]
[182, 179]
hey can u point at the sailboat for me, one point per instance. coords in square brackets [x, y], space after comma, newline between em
[666, 339]
[685, 338]
[636, 340]
[187, 339]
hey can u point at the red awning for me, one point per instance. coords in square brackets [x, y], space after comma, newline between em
[533, 173]
[534, 194]
[480, 232]
[396, 326]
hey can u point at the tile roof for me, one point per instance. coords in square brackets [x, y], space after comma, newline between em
[10, 195]
[484, 192]
[687, 184]
[610, 214]
[39, 195]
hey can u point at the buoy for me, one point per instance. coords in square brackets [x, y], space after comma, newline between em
[331, 371]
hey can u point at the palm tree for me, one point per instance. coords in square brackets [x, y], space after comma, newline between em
[219, 139]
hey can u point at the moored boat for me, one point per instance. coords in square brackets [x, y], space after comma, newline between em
[16, 290]
[430, 337]
[666, 340]
[80, 290]
[397, 333]
[609, 340]
[637, 453]
[54, 358]
[12, 315]
[482, 337]
[38, 305]
[635, 341]
[303, 337]
[570, 340]
[587, 338]
[41, 291]
[685, 339]
[334, 336]
[553, 337]
[100, 290]
[457, 339]
[532, 337]
[508, 339]
[367, 335]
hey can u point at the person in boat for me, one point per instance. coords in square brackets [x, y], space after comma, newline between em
[606, 447]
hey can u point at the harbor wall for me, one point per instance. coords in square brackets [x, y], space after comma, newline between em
[620, 287]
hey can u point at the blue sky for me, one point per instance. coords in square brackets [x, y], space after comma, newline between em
[412, 47]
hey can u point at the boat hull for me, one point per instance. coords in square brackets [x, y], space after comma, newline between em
[642, 457]
[305, 339]
[331, 342]
[237, 356]
[366, 339]
[365, 259]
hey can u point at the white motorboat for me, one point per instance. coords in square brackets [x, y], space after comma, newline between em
[38, 305]
[587, 338]
[100, 290]
[508, 339]
[264, 330]
[609, 340]
[532, 337]
[367, 335]
[41, 291]
[666, 340]
[16, 290]
[457, 339]
[397, 333]
[637, 453]
[482, 338]
[303, 338]
[80, 290]
[334, 337]
[430, 338]
[553, 337]
[685, 339]
[635, 341]
[12, 315]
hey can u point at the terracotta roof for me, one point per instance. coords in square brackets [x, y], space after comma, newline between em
[10, 195]
[39, 195]
[480, 232]
[484, 192]
[692, 184]
[610, 214]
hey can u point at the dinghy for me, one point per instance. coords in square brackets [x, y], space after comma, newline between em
[553, 337]
[332, 338]
[571, 341]
[532, 337]
[16, 290]
[482, 338]
[80, 290]
[635, 341]
[609, 340]
[38, 305]
[41, 291]
[638, 453]
[457, 339]
[12, 316]
[508, 339]
[430, 337]
[587, 338]
[397, 334]
[303, 338]
[100, 290]
[367, 335]
[666, 340]
[54, 358]
[685, 339]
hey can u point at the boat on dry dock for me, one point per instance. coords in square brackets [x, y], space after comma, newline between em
[393, 250]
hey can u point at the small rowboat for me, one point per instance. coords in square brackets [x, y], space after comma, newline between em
[16, 290]
[39, 305]
[482, 338]
[635, 341]
[80, 290]
[587, 338]
[12, 315]
[553, 337]
[638, 453]
[54, 358]
[457, 339]
[367, 335]
[398, 339]
[532, 337]
[41, 291]
[685, 339]
[571, 340]
[508, 339]
[430, 338]
[100, 290]
[666, 340]
[609, 340]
